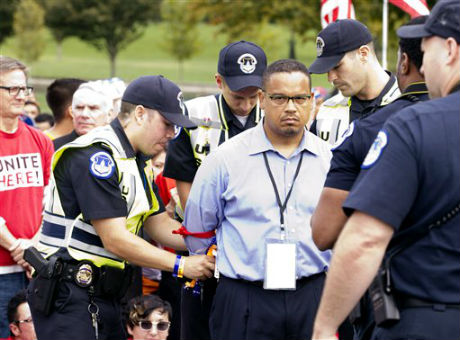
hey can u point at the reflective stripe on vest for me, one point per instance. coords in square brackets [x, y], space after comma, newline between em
[79, 237]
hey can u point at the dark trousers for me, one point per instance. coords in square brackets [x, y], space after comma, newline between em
[423, 323]
[70, 319]
[195, 311]
[242, 310]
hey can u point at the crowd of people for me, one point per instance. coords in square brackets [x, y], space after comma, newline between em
[269, 210]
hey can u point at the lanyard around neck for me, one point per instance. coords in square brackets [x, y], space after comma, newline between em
[282, 206]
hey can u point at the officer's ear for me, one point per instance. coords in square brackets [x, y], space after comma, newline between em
[140, 114]
[363, 53]
[404, 64]
[219, 81]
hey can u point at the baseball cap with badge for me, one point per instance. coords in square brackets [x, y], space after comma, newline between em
[161, 94]
[335, 40]
[443, 21]
[242, 65]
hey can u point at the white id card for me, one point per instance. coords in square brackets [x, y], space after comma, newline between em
[280, 265]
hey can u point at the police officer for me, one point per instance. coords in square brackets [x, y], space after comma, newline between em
[346, 53]
[100, 200]
[407, 199]
[329, 218]
[219, 117]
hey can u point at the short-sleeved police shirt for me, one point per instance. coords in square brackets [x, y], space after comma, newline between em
[180, 161]
[82, 192]
[411, 179]
[350, 153]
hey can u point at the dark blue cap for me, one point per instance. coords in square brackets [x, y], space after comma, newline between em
[161, 94]
[443, 21]
[335, 40]
[242, 65]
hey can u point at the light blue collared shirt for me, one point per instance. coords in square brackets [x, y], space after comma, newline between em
[233, 194]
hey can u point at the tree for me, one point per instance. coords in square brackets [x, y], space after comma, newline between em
[28, 26]
[58, 18]
[111, 25]
[181, 36]
[7, 9]
[243, 18]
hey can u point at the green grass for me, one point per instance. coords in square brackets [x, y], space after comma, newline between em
[148, 56]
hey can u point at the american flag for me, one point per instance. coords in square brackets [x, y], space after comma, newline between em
[332, 10]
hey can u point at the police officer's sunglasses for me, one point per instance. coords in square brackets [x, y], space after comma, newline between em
[161, 326]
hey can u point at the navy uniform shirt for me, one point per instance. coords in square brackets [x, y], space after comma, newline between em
[180, 161]
[95, 198]
[349, 154]
[411, 179]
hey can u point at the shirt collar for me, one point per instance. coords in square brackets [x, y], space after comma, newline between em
[355, 101]
[125, 143]
[260, 143]
[415, 88]
[229, 116]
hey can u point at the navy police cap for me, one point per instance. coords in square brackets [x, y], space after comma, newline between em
[443, 21]
[337, 39]
[242, 65]
[161, 94]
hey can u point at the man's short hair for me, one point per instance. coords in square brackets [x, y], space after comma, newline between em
[59, 96]
[125, 110]
[13, 304]
[8, 64]
[43, 118]
[412, 46]
[286, 66]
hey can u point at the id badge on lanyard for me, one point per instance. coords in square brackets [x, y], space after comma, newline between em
[280, 254]
[280, 264]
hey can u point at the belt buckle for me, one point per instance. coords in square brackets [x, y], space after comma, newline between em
[84, 275]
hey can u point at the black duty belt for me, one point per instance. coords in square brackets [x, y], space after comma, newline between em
[106, 280]
[412, 302]
[299, 282]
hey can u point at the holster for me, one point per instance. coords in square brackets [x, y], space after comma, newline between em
[42, 293]
[386, 312]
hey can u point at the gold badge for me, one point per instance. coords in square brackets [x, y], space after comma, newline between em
[84, 275]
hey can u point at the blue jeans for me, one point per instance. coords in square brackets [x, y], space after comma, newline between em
[10, 284]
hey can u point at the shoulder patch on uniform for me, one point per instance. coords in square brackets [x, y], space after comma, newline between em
[375, 150]
[348, 132]
[101, 165]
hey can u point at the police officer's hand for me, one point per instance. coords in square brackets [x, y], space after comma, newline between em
[199, 266]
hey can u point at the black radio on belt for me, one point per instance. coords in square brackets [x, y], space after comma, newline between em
[386, 312]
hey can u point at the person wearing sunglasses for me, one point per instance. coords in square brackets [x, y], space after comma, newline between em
[20, 319]
[148, 317]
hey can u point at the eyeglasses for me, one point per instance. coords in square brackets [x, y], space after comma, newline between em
[279, 99]
[14, 90]
[29, 320]
[161, 326]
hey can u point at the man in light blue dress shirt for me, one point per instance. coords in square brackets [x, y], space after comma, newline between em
[258, 191]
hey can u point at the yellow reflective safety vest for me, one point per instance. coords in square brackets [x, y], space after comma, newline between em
[61, 232]
[208, 114]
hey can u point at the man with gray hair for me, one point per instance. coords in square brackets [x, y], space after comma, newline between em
[91, 107]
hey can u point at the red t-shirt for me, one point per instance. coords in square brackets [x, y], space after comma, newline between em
[25, 165]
